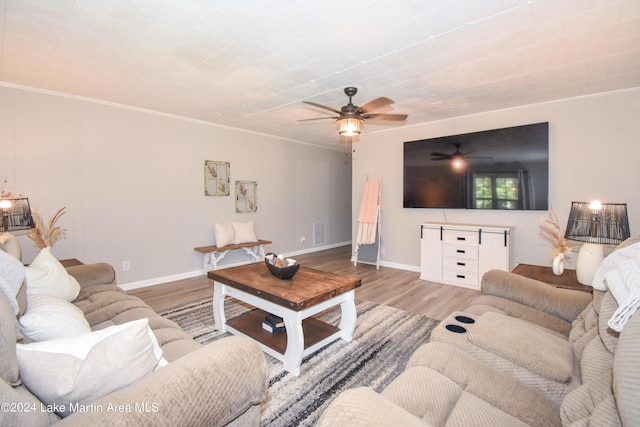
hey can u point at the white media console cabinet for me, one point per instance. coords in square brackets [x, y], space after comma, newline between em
[459, 254]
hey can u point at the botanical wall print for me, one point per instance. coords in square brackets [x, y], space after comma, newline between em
[216, 178]
[246, 199]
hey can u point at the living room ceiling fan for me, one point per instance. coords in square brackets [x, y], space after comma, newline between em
[350, 117]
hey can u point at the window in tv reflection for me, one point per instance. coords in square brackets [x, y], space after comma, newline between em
[496, 169]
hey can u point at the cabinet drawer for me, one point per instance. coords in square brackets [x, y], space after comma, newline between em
[461, 237]
[462, 278]
[459, 251]
[461, 264]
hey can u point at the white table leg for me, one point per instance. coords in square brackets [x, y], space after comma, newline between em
[348, 319]
[206, 263]
[252, 253]
[295, 342]
[219, 291]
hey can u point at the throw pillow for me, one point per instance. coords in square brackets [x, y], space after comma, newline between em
[45, 275]
[49, 317]
[11, 279]
[225, 235]
[73, 371]
[244, 232]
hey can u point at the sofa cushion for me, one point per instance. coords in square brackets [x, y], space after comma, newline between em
[626, 372]
[8, 337]
[108, 305]
[83, 368]
[48, 317]
[608, 336]
[491, 303]
[525, 344]
[45, 275]
[32, 413]
[442, 383]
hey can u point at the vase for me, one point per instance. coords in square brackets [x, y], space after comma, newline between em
[558, 265]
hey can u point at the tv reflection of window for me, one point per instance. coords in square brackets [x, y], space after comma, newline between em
[505, 190]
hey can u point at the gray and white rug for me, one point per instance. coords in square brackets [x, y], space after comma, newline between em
[383, 341]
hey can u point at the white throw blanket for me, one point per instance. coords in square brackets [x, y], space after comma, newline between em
[620, 273]
[11, 278]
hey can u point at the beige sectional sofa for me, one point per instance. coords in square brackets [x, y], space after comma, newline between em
[221, 383]
[525, 354]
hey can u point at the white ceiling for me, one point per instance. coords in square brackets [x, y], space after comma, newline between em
[250, 64]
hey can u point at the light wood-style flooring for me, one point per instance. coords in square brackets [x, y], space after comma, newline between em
[397, 288]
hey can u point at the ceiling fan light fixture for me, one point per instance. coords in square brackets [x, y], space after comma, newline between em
[350, 127]
[458, 162]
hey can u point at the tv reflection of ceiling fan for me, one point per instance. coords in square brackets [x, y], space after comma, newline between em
[458, 159]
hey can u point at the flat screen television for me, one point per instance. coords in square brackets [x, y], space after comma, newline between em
[504, 168]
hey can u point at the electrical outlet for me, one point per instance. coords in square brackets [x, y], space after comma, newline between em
[382, 250]
[126, 265]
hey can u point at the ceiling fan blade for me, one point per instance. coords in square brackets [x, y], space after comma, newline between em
[440, 155]
[383, 101]
[388, 117]
[318, 118]
[315, 104]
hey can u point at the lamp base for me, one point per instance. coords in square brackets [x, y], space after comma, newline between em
[589, 259]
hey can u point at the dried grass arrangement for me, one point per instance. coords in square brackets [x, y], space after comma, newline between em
[45, 235]
[551, 231]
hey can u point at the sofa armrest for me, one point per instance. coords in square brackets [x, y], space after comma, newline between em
[93, 274]
[211, 386]
[563, 303]
[363, 407]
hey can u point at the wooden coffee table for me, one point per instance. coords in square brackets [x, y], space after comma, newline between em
[307, 294]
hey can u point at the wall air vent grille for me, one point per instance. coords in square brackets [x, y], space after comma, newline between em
[319, 233]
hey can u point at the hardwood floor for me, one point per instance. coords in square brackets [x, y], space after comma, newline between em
[397, 288]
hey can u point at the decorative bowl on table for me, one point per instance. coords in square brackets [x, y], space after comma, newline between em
[280, 267]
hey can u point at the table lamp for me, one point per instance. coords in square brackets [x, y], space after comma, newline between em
[16, 216]
[595, 224]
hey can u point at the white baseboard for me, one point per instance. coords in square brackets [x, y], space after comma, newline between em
[391, 265]
[159, 280]
[196, 273]
[316, 249]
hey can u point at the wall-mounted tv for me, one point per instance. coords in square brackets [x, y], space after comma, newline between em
[494, 169]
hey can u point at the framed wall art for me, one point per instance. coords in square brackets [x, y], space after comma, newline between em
[246, 198]
[216, 178]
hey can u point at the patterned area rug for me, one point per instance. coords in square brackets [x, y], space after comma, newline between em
[383, 341]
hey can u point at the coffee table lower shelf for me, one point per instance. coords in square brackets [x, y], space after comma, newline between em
[250, 325]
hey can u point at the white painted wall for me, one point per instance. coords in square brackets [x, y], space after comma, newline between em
[594, 154]
[133, 183]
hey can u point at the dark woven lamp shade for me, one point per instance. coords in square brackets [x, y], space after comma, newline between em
[606, 226]
[595, 224]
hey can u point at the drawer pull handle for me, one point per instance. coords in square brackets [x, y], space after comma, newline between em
[460, 276]
[462, 238]
[460, 251]
[461, 263]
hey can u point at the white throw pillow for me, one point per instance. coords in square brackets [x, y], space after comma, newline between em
[79, 370]
[244, 232]
[48, 317]
[225, 235]
[45, 275]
